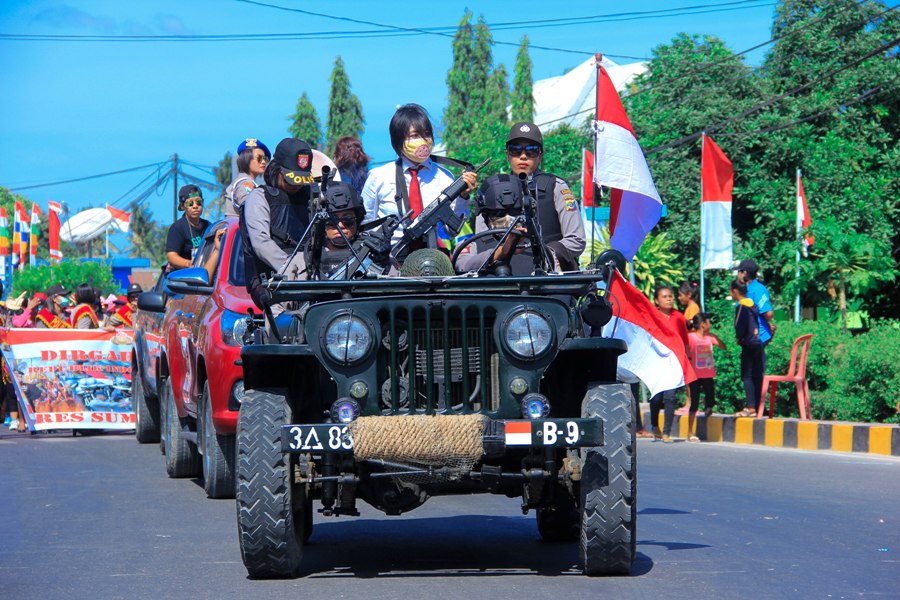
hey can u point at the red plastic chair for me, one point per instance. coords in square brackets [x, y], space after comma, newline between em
[796, 374]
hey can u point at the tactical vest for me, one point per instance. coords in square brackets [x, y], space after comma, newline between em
[547, 217]
[288, 219]
[332, 259]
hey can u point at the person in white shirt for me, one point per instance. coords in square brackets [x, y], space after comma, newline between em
[414, 180]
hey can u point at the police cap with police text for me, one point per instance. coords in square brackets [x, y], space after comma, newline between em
[526, 131]
[500, 192]
[294, 157]
[253, 143]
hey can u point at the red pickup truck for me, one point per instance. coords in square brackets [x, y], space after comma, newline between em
[201, 384]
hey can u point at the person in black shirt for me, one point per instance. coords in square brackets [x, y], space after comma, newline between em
[186, 234]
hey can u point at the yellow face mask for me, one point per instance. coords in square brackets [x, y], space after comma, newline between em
[418, 149]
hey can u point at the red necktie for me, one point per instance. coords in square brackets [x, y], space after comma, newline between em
[415, 192]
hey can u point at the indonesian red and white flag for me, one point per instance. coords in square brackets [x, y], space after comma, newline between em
[587, 179]
[120, 218]
[54, 226]
[635, 206]
[717, 183]
[656, 353]
[804, 220]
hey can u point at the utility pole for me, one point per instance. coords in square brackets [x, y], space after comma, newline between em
[175, 187]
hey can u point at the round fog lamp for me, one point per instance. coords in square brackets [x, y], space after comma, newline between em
[518, 386]
[359, 389]
[344, 410]
[535, 406]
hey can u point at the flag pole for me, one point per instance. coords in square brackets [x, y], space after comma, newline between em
[702, 283]
[799, 219]
[598, 58]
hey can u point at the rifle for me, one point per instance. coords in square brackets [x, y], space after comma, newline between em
[369, 251]
[439, 211]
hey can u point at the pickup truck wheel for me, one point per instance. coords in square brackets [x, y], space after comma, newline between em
[560, 522]
[608, 485]
[271, 511]
[163, 403]
[146, 411]
[182, 458]
[218, 454]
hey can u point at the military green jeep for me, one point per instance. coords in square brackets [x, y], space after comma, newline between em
[393, 390]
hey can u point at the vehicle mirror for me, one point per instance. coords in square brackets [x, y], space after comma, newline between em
[189, 281]
[152, 302]
[614, 256]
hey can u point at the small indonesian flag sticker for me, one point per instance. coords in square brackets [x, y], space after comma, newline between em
[518, 433]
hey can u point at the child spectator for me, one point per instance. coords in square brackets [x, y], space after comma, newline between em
[746, 329]
[701, 341]
[665, 302]
[687, 296]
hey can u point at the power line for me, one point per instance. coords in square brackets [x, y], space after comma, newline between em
[40, 185]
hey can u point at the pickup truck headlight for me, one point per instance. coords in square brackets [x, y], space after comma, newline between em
[348, 339]
[233, 326]
[528, 334]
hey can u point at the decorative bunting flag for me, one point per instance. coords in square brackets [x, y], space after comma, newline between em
[53, 218]
[804, 220]
[35, 223]
[120, 218]
[717, 183]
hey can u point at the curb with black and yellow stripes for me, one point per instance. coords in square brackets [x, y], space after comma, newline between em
[874, 438]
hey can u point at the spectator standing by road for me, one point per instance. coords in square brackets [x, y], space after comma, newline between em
[702, 340]
[186, 234]
[748, 271]
[665, 302]
[687, 297]
[83, 315]
[252, 158]
[352, 162]
[746, 330]
[53, 314]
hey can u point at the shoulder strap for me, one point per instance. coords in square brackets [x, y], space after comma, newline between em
[451, 162]
[402, 194]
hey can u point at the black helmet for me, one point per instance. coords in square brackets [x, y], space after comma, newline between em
[341, 196]
[500, 193]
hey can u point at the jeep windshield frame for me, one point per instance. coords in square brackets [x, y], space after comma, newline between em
[540, 285]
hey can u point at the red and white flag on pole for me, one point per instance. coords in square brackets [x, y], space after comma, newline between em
[587, 179]
[53, 220]
[120, 218]
[635, 207]
[656, 353]
[804, 220]
[717, 183]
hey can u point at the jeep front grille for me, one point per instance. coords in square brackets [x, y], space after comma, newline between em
[438, 359]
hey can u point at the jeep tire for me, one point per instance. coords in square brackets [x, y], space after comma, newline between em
[608, 487]
[182, 458]
[146, 411]
[218, 454]
[271, 511]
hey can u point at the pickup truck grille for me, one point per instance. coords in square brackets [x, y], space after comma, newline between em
[438, 359]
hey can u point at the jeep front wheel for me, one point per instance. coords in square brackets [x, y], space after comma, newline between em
[271, 511]
[608, 485]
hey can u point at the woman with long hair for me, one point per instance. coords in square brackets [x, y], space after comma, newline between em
[83, 315]
[352, 162]
[252, 158]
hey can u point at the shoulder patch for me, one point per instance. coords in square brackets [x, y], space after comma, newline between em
[566, 192]
[571, 204]
[249, 185]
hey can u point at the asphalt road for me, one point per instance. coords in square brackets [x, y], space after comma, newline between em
[97, 518]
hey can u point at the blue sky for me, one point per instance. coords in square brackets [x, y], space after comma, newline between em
[72, 109]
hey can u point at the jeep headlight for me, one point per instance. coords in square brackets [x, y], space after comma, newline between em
[528, 335]
[348, 339]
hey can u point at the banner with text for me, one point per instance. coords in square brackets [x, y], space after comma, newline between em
[71, 378]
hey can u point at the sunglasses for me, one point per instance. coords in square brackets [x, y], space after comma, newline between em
[193, 201]
[345, 221]
[261, 159]
[530, 151]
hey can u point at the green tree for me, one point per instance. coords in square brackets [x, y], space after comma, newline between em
[305, 124]
[499, 97]
[345, 116]
[223, 178]
[70, 273]
[523, 86]
[148, 238]
[459, 86]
